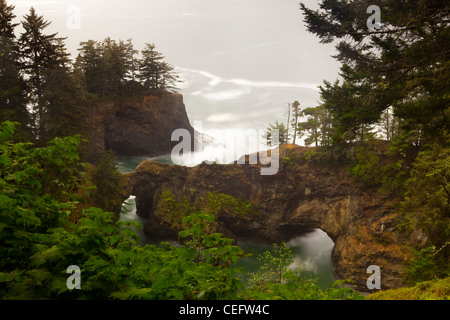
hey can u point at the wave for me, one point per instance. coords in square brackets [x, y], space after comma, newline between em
[215, 80]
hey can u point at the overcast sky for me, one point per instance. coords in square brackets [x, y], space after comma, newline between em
[242, 60]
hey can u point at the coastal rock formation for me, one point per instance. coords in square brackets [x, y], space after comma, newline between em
[302, 196]
[138, 128]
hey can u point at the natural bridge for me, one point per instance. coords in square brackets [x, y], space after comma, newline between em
[301, 197]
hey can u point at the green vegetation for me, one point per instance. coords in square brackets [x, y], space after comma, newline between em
[278, 279]
[297, 112]
[317, 126]
[56, 100]
[393, 76]
[108, 193]
[281, 136]
[13, 99]
[112, 69]
[386, 120]
[216, 202]
[155, 73]
[45, 229]
[387, 117]
[49, 93]
[428, 290]
[213, 203]
[273, 265]
[368, 168]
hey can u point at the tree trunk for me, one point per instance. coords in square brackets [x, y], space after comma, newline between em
[295, 129]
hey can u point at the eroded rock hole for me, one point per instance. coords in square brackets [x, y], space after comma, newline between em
[312, 252]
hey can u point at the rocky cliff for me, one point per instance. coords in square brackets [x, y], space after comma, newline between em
[138, 128]
[300, 197]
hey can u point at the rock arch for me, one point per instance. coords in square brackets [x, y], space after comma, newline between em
[361, 222]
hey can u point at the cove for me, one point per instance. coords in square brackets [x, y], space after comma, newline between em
[312, 253]
[312, 250]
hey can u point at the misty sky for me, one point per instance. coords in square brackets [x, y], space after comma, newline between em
[242, 61]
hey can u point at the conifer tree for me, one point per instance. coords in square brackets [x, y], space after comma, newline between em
[6, 17]
[276, 133]
[66, 107]
[317, 126]
[155, 73]
[108, 68]
[13, 90]
[116, 68]
[296, 114]
[132, 68]
[90, 66]
[39, 53]
[403, 64]
[106, 178]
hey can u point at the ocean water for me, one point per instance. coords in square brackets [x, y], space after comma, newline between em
[312, 251]
[311, 254]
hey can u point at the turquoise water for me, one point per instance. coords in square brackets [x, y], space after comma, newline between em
[128, 164]
[312, 251]
[129, 214]
[312, 254]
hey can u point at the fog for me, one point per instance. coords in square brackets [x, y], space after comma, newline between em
[242, 61]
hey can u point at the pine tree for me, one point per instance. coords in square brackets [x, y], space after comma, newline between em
[403, 65]
[13, 90]
[131, 76]
[276, 134]
[106, 178]
[108, 68]
[6, 17]
[66, 106]
[150, 67]
[318, 126]
[169, 78]
[154, 72]
[114, 56]
[312, 125]
[89, 64]
[38, 54]
[296, 114]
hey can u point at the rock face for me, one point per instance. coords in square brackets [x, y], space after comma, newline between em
[138, 128]
[300, 197]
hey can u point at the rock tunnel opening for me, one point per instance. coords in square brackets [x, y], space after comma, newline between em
[311, 247]
[313, 253]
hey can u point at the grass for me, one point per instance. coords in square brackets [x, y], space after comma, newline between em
[438, 289]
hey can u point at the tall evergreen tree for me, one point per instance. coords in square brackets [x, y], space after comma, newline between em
[13, 90]
[112, 69]
[276, 133]
[318, 126]
[66, 108]
[403, 64]
[6, 17]
[296, 114]
[107, 179]
[90, 65]
[399, 72]
[38, 54]
[108, 68]
[116, 66]
[132, 63]
[155, 73]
